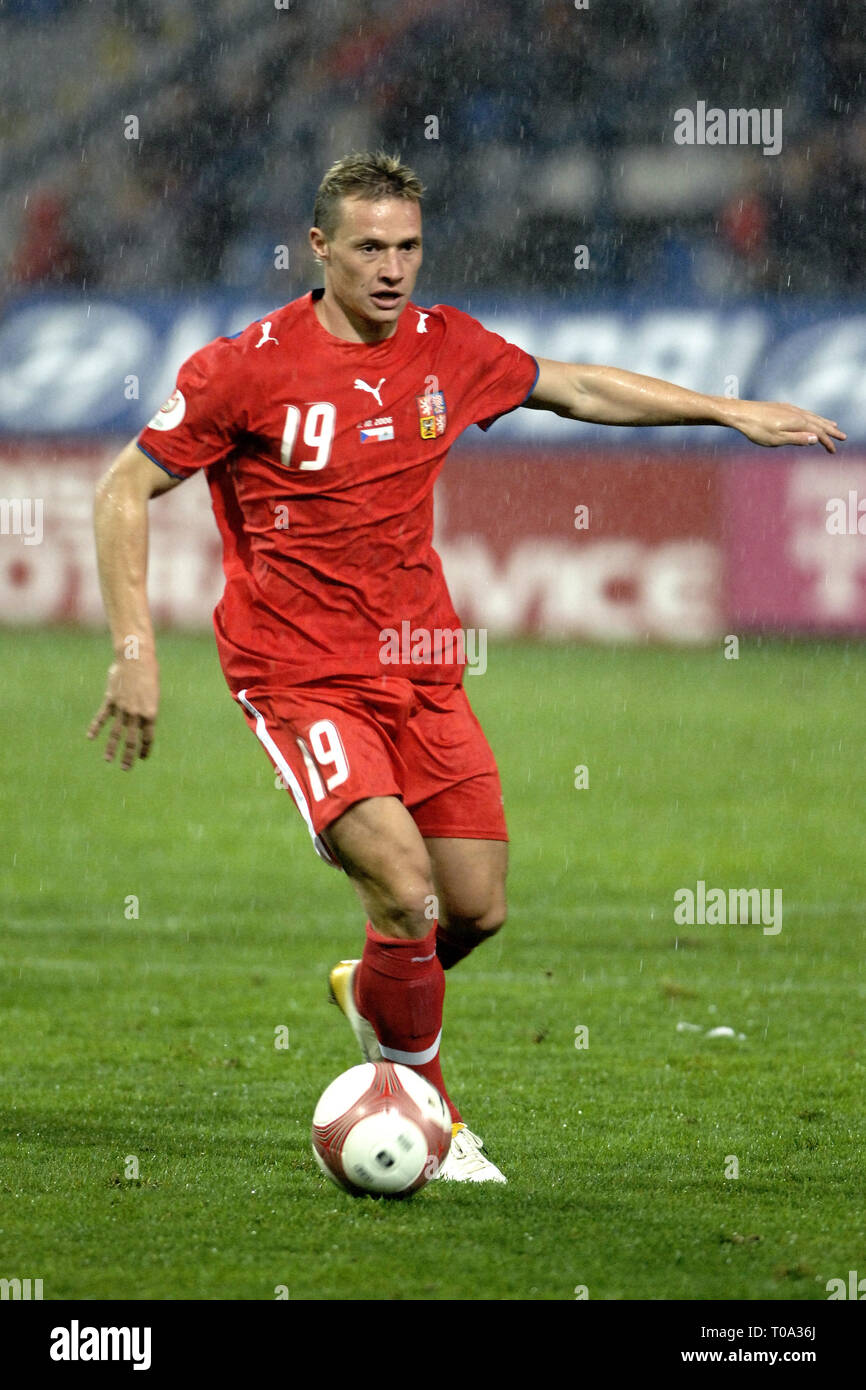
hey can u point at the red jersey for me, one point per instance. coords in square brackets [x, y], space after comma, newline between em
[321, 455]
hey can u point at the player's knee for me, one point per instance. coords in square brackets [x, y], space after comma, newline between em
[406, 902]
[483, 918]
[491, 921]
[404, 916]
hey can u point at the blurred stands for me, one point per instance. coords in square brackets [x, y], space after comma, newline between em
[555, 128]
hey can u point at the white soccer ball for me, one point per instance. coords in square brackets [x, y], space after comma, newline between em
[381, 1130]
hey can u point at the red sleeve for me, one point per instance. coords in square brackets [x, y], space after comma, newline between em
[199, 423]
[497, 377]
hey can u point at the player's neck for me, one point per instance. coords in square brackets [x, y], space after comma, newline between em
[339, 320]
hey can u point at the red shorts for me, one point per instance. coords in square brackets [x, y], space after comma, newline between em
[341, 741]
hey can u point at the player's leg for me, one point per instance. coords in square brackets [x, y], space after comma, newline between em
[398, 987]
[469, 877]
[378, 844]
[455, 796]
[330, 752]
[335, 749]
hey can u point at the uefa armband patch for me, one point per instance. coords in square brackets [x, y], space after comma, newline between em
[432, 414]
[170, 413]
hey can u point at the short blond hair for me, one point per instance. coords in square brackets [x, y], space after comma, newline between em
[367, 176]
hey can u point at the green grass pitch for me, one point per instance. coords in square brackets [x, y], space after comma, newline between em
[148, 1043]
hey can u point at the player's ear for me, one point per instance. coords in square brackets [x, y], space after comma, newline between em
[319, 244]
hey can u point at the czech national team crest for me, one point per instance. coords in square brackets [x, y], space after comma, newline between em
[432, 414]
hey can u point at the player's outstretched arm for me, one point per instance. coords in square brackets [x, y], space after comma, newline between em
[611, 396]
[120, 522]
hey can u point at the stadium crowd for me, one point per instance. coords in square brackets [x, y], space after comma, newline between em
[536, 125]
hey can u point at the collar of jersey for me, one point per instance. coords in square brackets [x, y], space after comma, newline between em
[342, 344]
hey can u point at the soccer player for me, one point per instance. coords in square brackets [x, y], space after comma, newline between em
[322, 430]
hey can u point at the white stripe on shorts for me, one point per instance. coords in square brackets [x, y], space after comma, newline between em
[289, 778]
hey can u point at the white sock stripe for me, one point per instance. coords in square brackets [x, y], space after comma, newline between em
[420, 959]
[412, 1059]
[287, 775]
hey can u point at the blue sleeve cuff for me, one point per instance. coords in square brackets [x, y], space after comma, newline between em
[181, 477]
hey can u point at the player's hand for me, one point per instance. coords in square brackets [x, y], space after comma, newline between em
[773, 423]
[131, 702]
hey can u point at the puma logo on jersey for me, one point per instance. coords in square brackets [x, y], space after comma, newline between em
[374, 390]
[266, 338]
[421, 326]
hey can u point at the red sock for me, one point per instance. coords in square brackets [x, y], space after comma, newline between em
[452, 947]
[399, 988]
